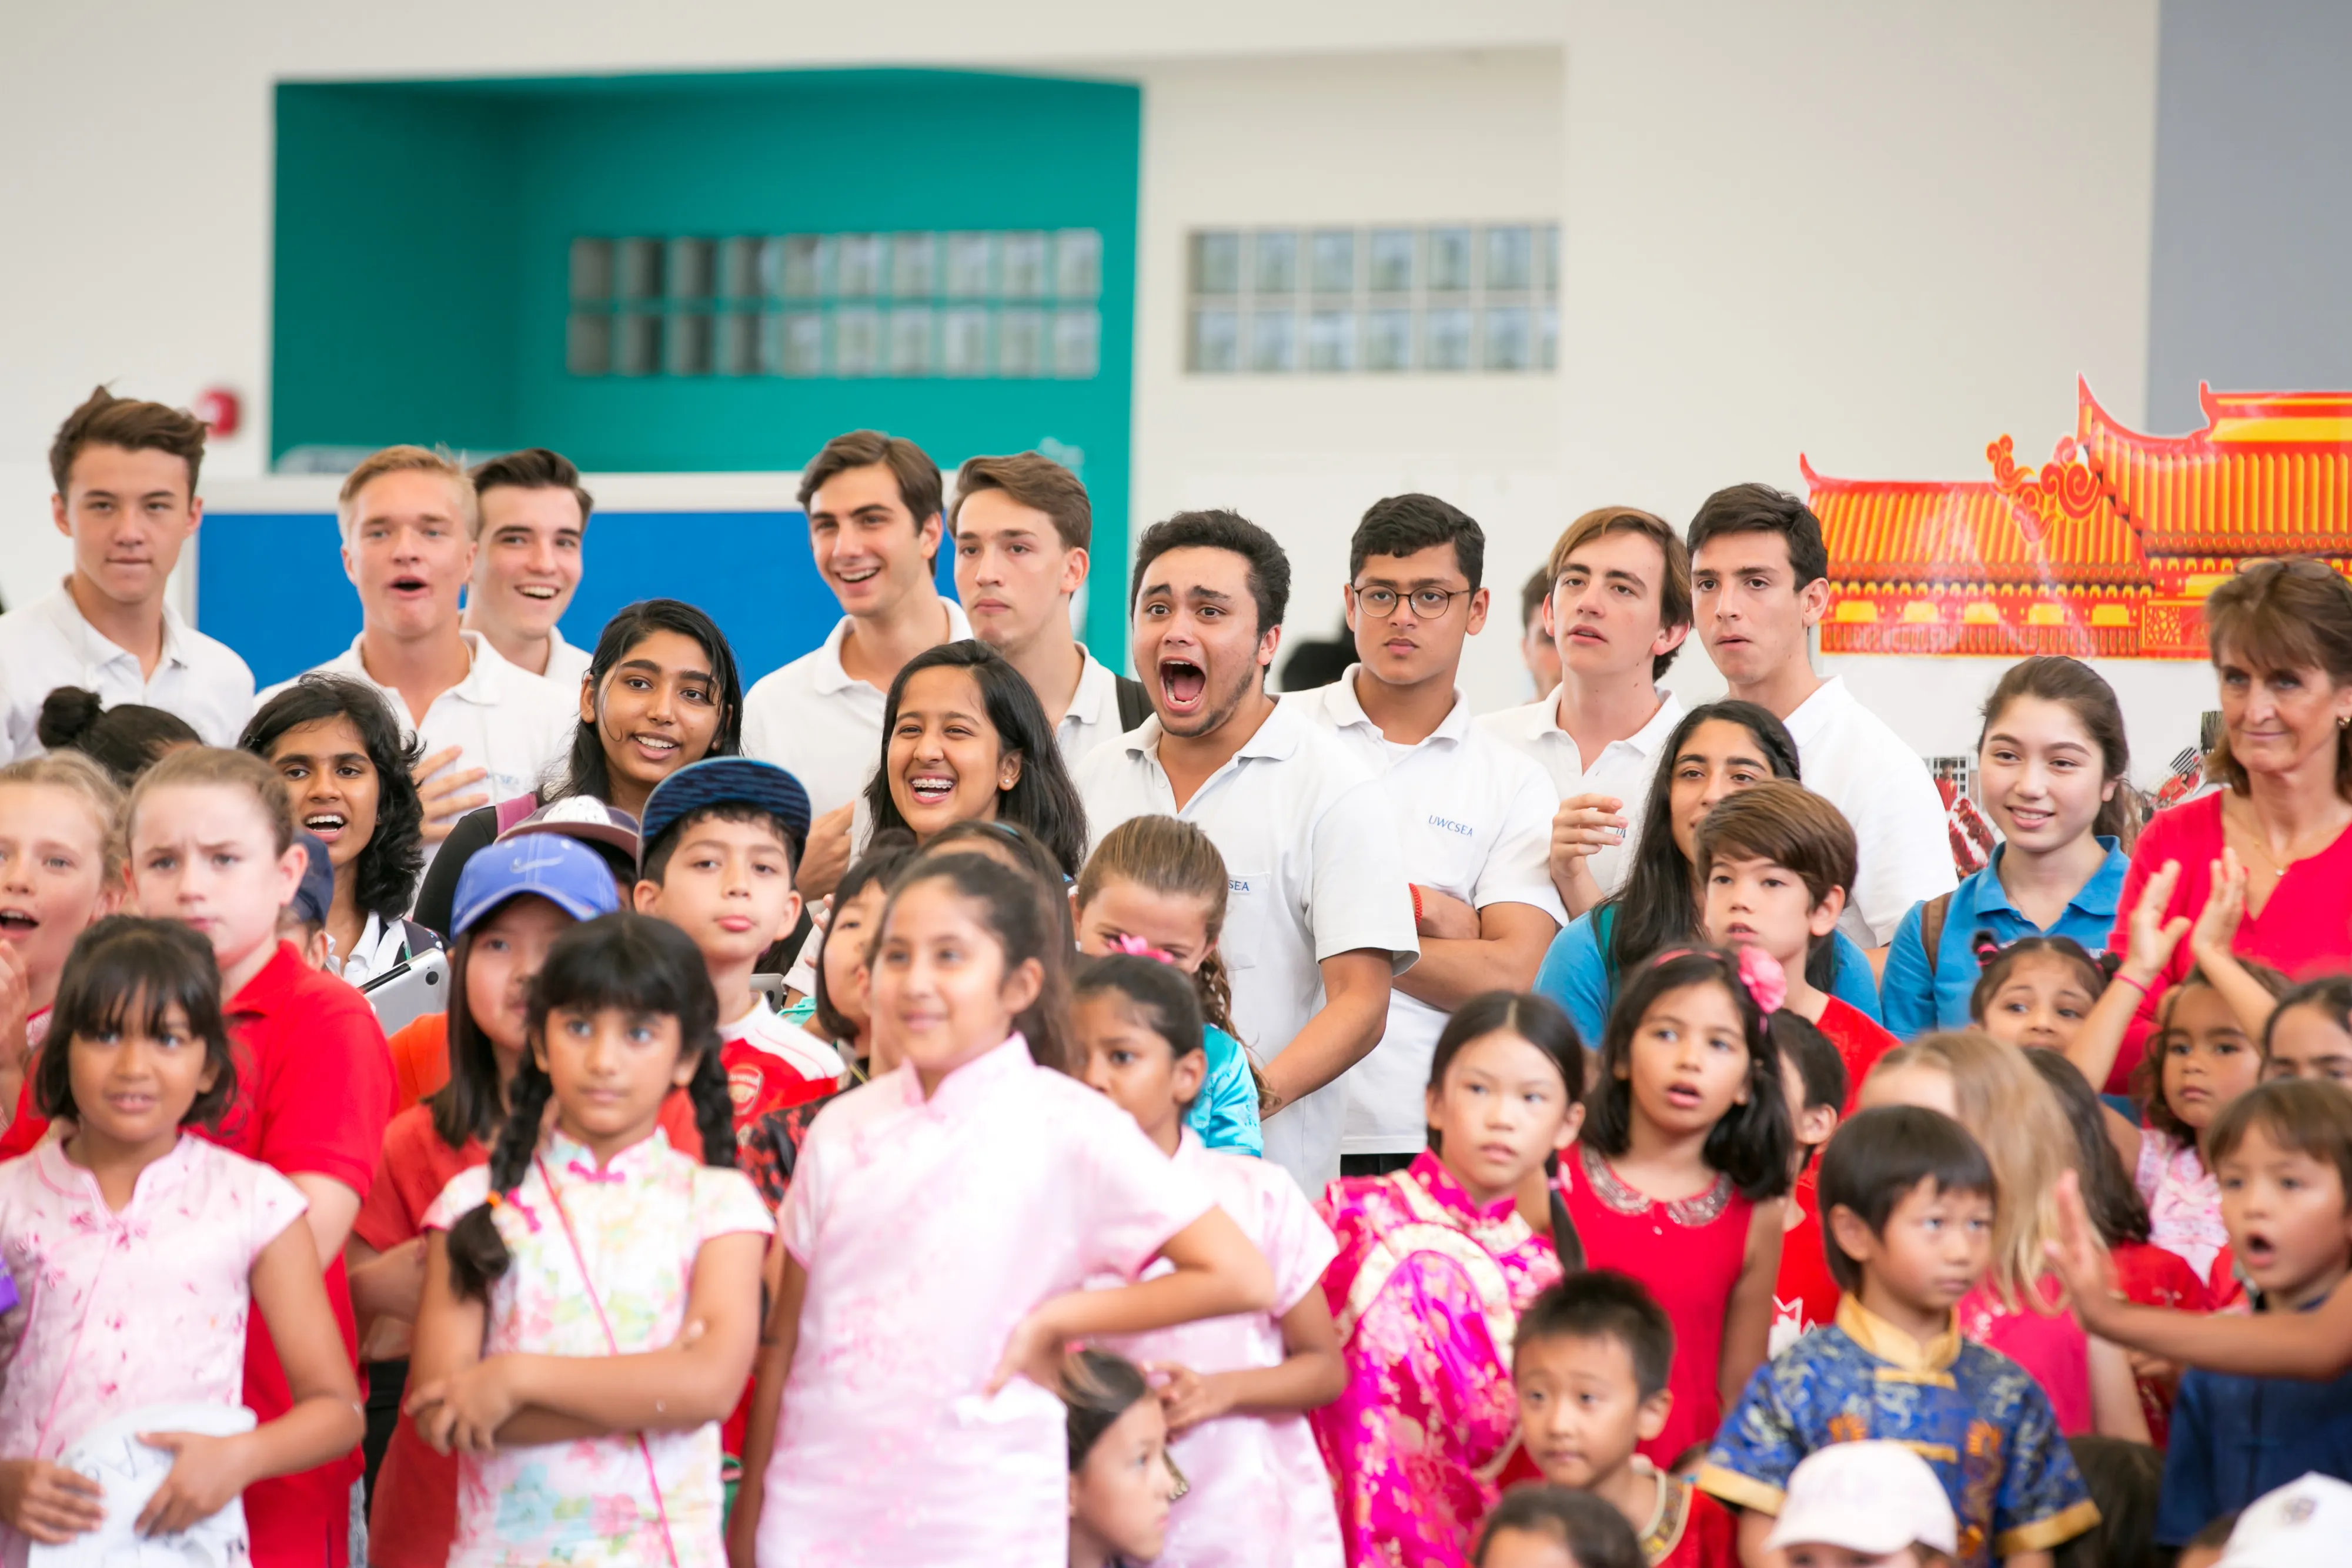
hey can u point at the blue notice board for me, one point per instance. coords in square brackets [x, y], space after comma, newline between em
[272, 584]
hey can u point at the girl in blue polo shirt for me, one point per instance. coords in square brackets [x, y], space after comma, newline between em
[2051, 763]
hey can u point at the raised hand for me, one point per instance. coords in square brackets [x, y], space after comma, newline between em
[2225, 909]
[2153, 938]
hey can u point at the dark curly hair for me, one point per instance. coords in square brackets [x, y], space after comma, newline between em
[384, 875]
[639, 965]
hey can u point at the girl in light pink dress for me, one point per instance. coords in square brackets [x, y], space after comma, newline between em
[134, 1250]
[941, 1224]
[1236, 1388]
[1436, 1264]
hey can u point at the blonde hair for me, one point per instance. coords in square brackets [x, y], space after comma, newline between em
[201, 765]
[2009, 1111]
[78, 775]
[407, 460]
[1178, 859]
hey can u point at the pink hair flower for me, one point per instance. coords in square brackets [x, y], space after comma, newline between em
[1766, 982]
[1137, 947]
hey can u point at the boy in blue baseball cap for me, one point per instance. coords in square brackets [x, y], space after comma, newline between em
[722, 843]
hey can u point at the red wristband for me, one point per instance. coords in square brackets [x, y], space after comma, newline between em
[2127, 980]
[1415, 888]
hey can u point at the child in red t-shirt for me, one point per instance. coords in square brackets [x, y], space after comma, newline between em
[514, 897]
[1805, 1294]
[1778, 860]
[211, 836]
[1590, 1366]
[722, 839]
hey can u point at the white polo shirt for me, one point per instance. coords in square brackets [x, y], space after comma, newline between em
[1475, 819]
[1623, 768]
[1851, 757]
[1315, 869]
[515, 725]
[48, 644]
[820, 723]
[1093, 718]
[566, 665]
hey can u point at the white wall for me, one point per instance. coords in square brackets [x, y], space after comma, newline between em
[1880, 232]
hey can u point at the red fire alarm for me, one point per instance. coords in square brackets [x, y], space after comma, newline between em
[219, 408]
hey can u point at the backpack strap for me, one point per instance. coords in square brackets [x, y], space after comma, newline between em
[1134, 703]
[1932, 914]
[509, 812]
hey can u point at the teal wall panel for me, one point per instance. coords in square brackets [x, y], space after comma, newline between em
[423, 233]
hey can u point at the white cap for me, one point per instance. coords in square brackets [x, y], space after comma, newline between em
[1873, 1497]
[2303, 1524]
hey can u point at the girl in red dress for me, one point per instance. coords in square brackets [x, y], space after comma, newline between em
[1684, 1167]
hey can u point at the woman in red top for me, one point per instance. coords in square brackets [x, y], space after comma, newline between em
[1681, 1174]
[2281, 633]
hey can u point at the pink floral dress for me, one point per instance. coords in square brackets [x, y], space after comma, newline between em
[1259, 1493]
[1427, 1290]
[2184, 1203]
[639, 1222]
[117, 1311]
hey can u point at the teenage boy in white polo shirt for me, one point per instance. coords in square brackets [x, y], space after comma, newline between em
[534, 529]
[1759, 577]
[1319, 910]
[126, 496]
[873, 505]
[490, 731]
[1618, 611]
[1476, 815]
[1022, 528]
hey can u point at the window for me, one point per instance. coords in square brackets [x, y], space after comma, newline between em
[1447, 298]
[1020, 303]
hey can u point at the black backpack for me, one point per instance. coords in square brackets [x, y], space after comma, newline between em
[1134, 703]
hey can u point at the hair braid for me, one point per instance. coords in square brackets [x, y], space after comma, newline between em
[478, 1253]
[1216, 989]
[714, 1110]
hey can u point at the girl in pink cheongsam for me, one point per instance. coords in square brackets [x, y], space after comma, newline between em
[1436, 1264]
[942, 1222]
[1237, 1389]
[591, 1296]
[134, 1250]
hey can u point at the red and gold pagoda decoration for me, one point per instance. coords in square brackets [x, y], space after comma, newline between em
[2107, 549]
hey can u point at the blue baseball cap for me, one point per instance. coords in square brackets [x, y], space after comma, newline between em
[565, 872]
[317, 894]
[727, 780]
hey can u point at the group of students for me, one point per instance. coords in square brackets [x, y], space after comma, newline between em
[952, 1102]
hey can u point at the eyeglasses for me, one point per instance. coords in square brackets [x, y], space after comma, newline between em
[1429, 603]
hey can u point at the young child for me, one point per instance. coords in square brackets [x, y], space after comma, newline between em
[1122, 1477]
[1590, 1366]
[2051, 761]
[1908, 1198]
[1436, 1264]
[2019, 1308]
[135, 1250]
[1683, 1165]
[1777, 861]
[1541, 1526]
[837, 1012]
[2283, 1155]
[1812, 1077]
[2309, 1033]
[303, 921]
[512, 901]
[1161, 882]
[722, 838]
[1871, 1504]
[1236, 1388]
[2036, 993]
[210, 841]
[591, 1438]
[942, 1223]
[2144, 1271]
[60, 870]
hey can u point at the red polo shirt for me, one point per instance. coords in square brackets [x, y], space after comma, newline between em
[313, 1094]
[1860, 1043]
